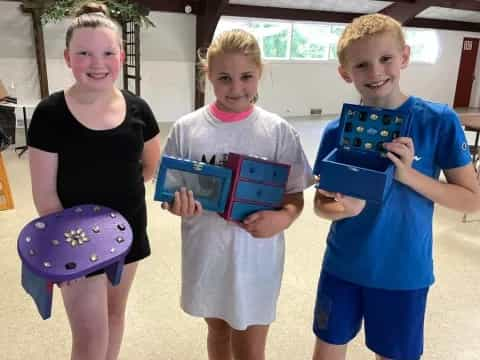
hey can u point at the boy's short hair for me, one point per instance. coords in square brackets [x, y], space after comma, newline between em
[368, 25]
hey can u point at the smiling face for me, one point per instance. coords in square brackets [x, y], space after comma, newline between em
[95, 57]
[234, 77]
[373, 64]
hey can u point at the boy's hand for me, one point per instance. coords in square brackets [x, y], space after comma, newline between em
[401, 151]
[184, 204]
[266, 223]
[349, 206]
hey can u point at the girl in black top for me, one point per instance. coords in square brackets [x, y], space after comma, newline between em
[93, 143]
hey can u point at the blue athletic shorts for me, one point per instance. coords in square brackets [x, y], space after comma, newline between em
[393, 319]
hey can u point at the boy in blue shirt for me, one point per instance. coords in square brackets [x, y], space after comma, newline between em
[378, 263]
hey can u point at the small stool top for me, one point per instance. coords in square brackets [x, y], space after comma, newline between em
[74, 242]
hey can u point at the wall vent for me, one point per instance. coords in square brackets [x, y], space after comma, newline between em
[316, 111]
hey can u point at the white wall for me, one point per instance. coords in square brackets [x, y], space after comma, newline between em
[168, 59]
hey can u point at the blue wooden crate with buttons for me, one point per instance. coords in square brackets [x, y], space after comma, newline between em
[210, 183]
[358, 166]
[246, 184]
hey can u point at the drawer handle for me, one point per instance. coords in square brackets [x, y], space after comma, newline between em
[251, 170]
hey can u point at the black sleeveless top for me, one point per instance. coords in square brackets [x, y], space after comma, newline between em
[99, 166]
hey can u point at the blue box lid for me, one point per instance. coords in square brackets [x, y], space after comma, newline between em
[366, 128]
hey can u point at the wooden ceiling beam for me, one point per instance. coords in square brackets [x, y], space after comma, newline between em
[443, 24]
[178, 6]
[207, 20]
[288, 14]
[469, 5]
[403, 11]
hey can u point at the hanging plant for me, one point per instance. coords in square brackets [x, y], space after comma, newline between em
[120, 10]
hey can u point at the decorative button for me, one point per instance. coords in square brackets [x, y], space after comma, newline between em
[70, 266]
[55, 242]
[121, 227]
[40, 225]
[47, 264]
[93, 257]
[96, 229]
[120, 239]
[76, 237]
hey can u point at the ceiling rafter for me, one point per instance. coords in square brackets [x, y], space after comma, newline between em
[196, 6]
[402, 11]
[288, 13]
[207, 20]
[469, 5]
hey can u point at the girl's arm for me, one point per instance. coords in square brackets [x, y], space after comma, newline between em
[43, 171]
[150, 157]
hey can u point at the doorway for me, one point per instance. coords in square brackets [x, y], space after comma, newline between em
[466, 73]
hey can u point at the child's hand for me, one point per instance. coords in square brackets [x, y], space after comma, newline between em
[401, 151]
[183, 204]
[350, 206]
[267, 223]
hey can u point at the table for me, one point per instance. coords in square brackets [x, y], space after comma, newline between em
[471, 122]
[24, 107]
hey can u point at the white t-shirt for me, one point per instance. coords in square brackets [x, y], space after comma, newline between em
[227, 273]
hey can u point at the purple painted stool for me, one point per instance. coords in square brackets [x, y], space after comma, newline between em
[70, 244]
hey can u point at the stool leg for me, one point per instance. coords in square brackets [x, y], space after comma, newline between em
[41, 291]
[6, 198]
[114, 272]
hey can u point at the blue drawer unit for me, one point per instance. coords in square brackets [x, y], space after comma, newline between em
[264, 172]
[240, 210]
[250, 191]
[210, 184]
[358, 166]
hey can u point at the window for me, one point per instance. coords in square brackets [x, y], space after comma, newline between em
[296, 41]
[423, 44]
[310, 41]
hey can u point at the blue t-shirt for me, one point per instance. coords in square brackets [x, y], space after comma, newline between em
[389, 246]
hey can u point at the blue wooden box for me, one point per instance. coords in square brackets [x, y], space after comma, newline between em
[245, 185]
[358, 166]
[210, 183]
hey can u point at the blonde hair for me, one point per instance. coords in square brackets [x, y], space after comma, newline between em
[368, 25]
[92, 14]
